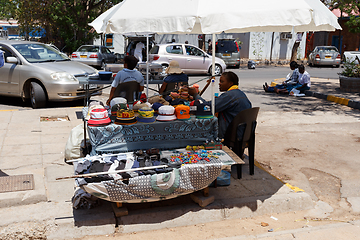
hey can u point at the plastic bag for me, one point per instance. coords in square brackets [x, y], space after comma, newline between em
[294, 92]
[75, 142]
[223, 179]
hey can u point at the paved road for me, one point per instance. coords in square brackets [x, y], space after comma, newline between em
[251, 82]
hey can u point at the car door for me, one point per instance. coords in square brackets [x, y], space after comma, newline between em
[9, 74]
[107, 55]
[176, 52]
[196, 60]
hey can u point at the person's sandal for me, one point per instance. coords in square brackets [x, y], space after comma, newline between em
[265, 88]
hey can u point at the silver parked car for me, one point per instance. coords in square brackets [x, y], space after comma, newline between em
[192, 60]
[94, 55]
[41, 73]
[325, 55]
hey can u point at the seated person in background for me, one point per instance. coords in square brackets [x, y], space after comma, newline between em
[126, 75]
[293, 80]
[175, 75]
[303, 84]
[228, 104]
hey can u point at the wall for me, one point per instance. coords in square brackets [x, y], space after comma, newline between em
[118, 43]
[260, 46]
[350, 41]
[260, 42]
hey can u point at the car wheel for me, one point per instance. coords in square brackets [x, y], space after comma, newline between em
[218, 70]
[37, 96]
[337, 66]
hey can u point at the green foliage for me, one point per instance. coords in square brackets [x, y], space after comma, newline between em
[352, 9]
[65, 21]
[351, 69]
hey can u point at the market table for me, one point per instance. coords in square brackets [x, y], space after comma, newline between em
[161, 135]
[134, 185]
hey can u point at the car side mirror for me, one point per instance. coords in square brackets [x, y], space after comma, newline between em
[12, 60]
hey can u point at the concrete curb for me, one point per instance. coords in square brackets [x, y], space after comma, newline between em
[336, 99]
[190, 214]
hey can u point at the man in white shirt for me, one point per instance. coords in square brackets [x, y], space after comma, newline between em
[138, 53]
[303, 85]
[304, 79]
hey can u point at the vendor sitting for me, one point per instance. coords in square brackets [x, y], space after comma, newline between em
[175, 75]
[129, 73]
[228, 104]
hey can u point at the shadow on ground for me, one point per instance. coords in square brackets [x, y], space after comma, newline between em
[18, 102]
[305, 104]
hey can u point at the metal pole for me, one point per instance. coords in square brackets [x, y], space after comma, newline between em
[213, 76]
[147, 65]
[272, 44]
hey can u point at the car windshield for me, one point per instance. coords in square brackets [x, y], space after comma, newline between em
[35, 53]
[88, 49]
[227, 46]
[328, 49]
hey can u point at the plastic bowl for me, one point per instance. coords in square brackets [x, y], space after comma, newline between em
[105, 75]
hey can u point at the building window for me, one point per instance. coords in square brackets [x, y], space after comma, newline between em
[109, 40]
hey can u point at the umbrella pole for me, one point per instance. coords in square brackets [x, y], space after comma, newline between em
[147, 65]
[213, 75]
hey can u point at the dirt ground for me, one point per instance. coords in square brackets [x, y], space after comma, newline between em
[229, 228]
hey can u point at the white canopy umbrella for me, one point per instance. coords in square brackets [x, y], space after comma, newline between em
[214, 16]
[102, 19]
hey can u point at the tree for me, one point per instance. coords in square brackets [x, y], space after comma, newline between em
[62, 22]
[294, 52]
[352, 8]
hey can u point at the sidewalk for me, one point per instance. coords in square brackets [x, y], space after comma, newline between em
[35, 147]
[31, 146]
[329, 89]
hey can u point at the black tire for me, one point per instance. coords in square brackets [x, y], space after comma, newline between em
[218, 70]
[37, 96]
[337, 66]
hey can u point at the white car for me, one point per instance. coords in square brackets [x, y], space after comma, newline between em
[351, 56]
[192, 60]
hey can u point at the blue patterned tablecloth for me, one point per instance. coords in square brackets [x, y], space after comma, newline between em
[163, 135]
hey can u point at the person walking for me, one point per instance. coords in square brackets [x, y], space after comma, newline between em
[138, 53]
